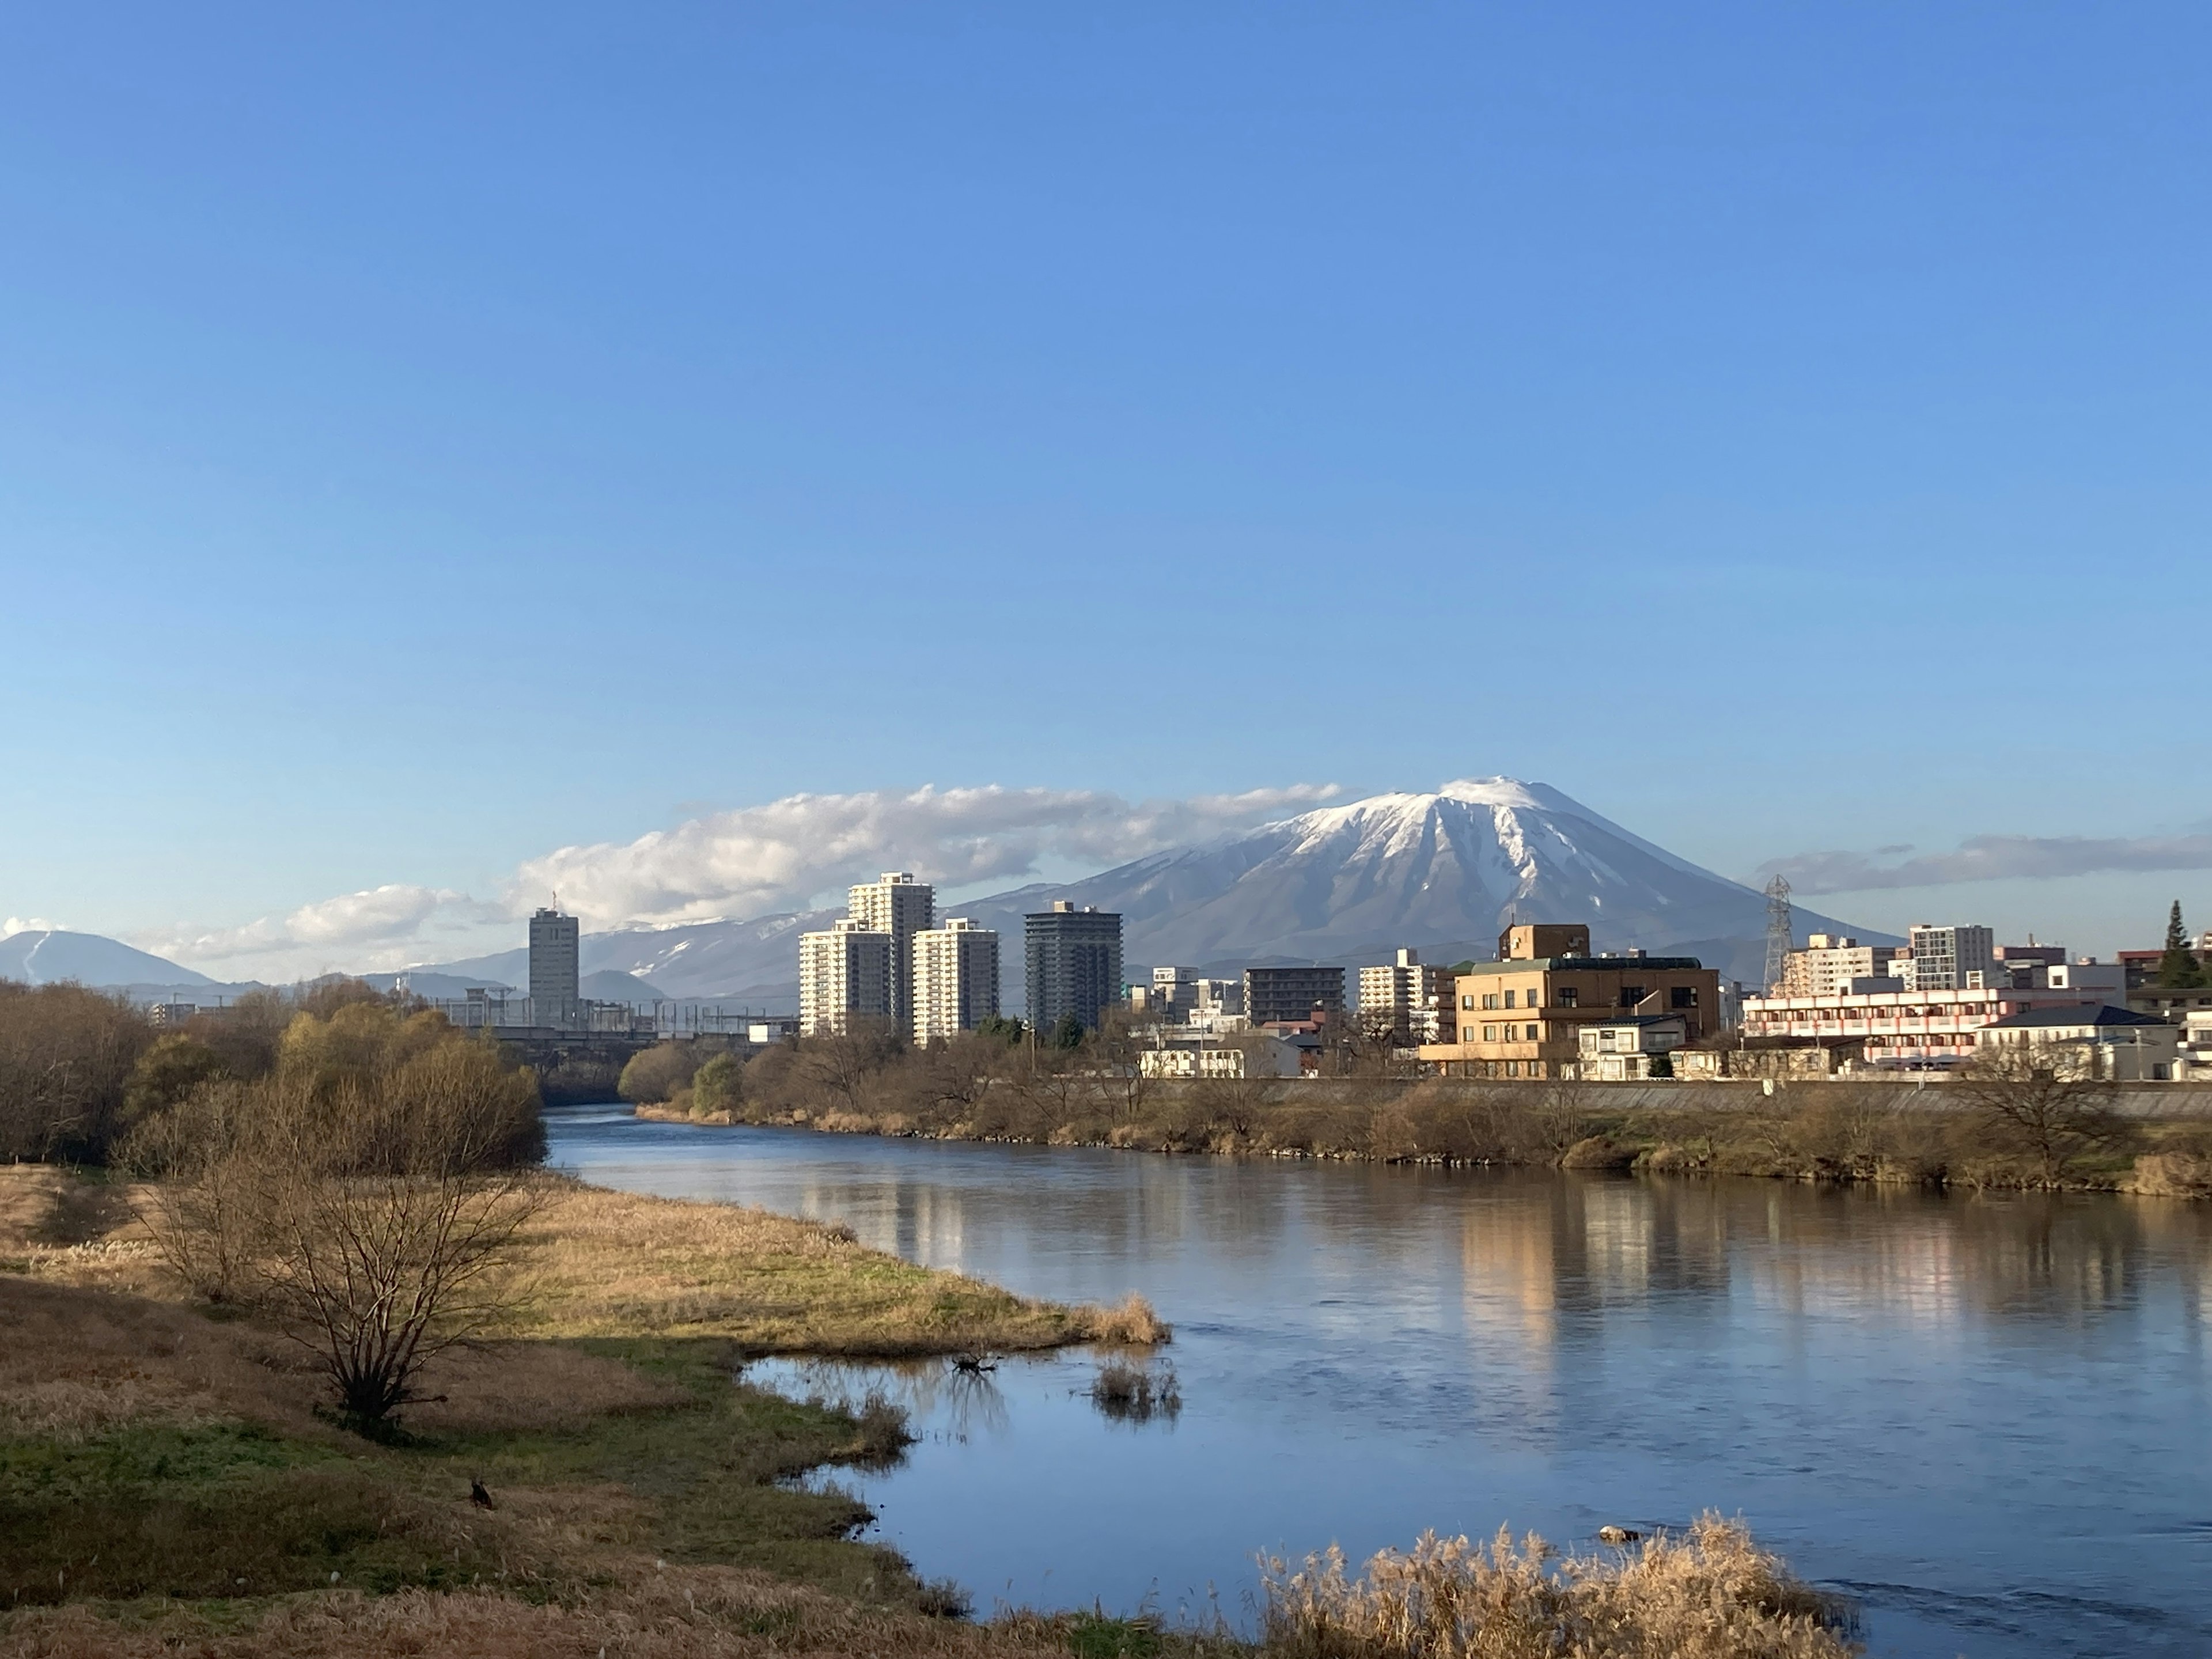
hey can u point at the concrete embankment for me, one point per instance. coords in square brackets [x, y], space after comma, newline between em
[2150, 1101]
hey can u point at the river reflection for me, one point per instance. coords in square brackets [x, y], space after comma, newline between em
[1984, 1416]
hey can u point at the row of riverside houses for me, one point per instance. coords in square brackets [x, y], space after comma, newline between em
[1550, 1008]
[887, 959]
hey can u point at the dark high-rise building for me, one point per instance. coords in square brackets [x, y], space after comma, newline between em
[1286, 994]
[555, 980]
[1073, 962]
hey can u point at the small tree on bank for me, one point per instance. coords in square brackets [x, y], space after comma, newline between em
[370, 1194]
[2051, 1101]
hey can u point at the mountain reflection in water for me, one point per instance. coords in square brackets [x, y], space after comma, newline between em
[1983, 1416]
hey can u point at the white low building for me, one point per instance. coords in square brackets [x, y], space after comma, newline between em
[2194, 1063]
[1255, 1056]
[2110, 1042]
[1623, 1050]
[1909, 1029]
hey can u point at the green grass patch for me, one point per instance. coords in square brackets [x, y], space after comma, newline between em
[231, 1510]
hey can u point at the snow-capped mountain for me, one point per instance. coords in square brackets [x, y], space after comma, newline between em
[1442, 872]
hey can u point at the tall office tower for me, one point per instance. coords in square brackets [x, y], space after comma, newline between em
[1071, 961]
[1943, 957]
[844, 973]
[896, 903]
[956, 978]
[556, 984]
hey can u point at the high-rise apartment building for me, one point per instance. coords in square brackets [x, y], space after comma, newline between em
[844, 975]
[1414, 998]
[556, 981]
[956, 978]
[897, 904]
[1071, 964]
[1292, 994]
[1828, 965]
[1942, 958]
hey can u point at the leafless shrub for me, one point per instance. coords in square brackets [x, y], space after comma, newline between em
[1136, 1394]
[370, 1192]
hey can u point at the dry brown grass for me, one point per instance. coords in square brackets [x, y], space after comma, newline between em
[651, 1612]
[74, 1362]
[609, 1264]
[1710, 1594]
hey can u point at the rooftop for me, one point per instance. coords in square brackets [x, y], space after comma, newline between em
[2079, 1014]
[1583, 965]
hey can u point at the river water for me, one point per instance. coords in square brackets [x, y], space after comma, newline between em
[1984, 1418]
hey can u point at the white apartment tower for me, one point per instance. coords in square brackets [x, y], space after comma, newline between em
[1409, 994]
[844, 973]
[897, 904]
[956, 978]
[1828, 965]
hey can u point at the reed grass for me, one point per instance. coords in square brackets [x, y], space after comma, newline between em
[1710, 1593]
[1136, 1394]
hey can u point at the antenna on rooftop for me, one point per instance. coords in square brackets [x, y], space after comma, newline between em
[1780, 928]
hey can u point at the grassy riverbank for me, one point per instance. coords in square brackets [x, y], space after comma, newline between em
[598, 1480]
[1875, 1131]
[166, 1475]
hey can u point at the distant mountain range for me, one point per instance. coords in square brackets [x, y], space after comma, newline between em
[1441, 872]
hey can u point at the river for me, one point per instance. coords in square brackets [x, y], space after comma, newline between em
[1982, 1417]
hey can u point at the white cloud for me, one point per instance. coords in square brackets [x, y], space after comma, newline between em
[1990, 857]
[14, 924]
[777, 857]
[746, 862]
[379, 927]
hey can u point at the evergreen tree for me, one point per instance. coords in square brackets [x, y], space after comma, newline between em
[1068, 1032]
[2178, 968]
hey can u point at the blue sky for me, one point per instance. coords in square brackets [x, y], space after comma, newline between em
[427, 440]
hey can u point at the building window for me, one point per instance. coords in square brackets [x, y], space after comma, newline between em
[1513, 1068]
[1682, 996]
[1530, 997]
[1467, 1002]
[1631, 995]
[1466, 1034]
[1490, 1033]
[1566, 996]
[1509, 999]
[1490, 1000]
[1532, 1034]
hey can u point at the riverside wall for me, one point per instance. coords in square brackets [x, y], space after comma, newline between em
[2136, 1100]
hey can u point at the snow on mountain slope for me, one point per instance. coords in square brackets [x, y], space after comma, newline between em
[1441, 872]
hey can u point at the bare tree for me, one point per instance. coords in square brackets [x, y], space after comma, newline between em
[2051, 1100]
[374, 1206]
[377, 1273]
[840, 1068]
